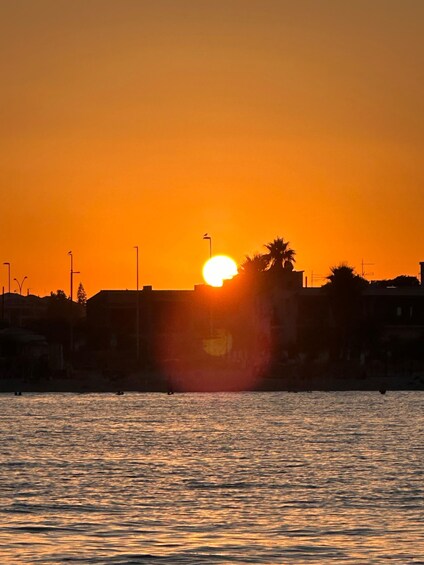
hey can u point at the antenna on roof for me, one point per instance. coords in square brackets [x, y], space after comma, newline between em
[363, 265]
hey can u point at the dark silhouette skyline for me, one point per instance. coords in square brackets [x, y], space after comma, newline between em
[263, 329]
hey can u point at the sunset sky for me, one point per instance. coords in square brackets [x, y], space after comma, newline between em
[149, 123]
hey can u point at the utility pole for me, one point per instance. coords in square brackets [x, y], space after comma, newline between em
[137, 316]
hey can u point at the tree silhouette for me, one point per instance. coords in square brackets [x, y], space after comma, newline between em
[58, 305]
[266, 270]
[401, 281]
[344, 290]
[279, 254]
[81, 295]
[253, 264]
[343, 279]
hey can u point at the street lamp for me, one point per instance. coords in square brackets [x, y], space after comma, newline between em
[207, 236]
[71, 313]
[72, 273]
[136, 250]
[20, 284]
[8, 266]
[137, 315]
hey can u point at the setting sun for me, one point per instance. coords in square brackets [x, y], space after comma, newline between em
[219, 268]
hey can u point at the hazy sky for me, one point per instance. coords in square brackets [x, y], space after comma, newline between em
[133, 122]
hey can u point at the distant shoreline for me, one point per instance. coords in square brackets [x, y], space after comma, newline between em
[91, 382]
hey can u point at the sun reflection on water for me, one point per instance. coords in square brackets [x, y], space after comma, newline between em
[249, 477]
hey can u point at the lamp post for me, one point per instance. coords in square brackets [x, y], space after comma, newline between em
[71, 313]
[136, 264]
[137, 315]
[20, 284]
[8, 266]
[72, 273]
[207, 236]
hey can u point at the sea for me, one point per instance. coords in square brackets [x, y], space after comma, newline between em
[253, 477]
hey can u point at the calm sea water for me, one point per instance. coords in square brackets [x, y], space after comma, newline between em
[212, 478]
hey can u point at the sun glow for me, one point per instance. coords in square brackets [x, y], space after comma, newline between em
[219, 268]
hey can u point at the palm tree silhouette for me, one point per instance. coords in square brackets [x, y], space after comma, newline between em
[279, 254]
[343, 280]
[253, 264]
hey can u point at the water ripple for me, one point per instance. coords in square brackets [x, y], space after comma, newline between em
[212, 478]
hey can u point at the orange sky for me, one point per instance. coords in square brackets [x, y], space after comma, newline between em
[149, 123]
